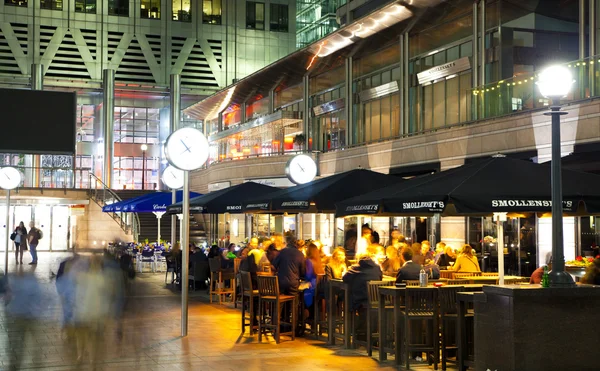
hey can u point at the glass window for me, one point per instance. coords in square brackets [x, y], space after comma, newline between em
[427, 109]
[150, 9]
[118, 7]
[51, 4]
[22, 3]
[211, 11]
[85, 6]
[452, 101]
[279, 18]
[182, 11]
[255, 15]
[439, 103]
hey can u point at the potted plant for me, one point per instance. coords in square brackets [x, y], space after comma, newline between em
[299, 139]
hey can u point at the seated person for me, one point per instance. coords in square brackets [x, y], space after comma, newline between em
[449, 256]
[393, 261]
[466, 261]
[336, 267]
[357, 277]
[410, 270]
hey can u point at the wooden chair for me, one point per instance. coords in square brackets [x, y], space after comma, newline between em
[218, 277]
[268, 294]
[248, 294]
[513, 281]
[421, 305]
[458, 282]
[489, 274]
[320, 319]
[171, 267]
[198, 273]
[373, 310]
[465, 274]
[448, 320]
[412, 283]
[236, 272]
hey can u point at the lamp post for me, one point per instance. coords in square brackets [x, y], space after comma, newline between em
[555, 83]
[144, 149]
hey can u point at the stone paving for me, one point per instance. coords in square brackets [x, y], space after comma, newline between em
[151, 338]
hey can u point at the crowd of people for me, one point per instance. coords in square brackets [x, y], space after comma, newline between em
[90, 290]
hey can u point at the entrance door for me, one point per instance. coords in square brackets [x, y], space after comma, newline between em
[43, 221]
[60, 228]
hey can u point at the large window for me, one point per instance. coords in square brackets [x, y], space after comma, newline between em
[255, 15]
[118, 7]
[51, 4]
[85, 6]
[211, 11]
[181, 11]
[22, 3]
[150, 9]
[279, 18]
[136, 125]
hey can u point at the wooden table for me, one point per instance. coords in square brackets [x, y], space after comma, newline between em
[397, 293]
[488, 280]
[342, 288]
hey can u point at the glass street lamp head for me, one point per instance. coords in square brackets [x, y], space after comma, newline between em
[144, 147]
[555, 82]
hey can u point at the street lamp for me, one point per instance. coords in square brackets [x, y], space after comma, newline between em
[144, 149]
[555, 83]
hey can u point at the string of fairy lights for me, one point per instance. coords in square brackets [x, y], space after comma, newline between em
[523, 80]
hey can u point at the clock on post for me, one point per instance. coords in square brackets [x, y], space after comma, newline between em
[301, 169]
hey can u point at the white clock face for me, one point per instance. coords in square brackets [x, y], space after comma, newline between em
[187, 149]
[301, 169]
[10, 178]
[173, 177]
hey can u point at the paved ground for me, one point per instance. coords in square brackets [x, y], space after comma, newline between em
[151, 338]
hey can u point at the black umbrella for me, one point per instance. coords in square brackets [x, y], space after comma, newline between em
[228, 200]
[320, 196]
[496, 184]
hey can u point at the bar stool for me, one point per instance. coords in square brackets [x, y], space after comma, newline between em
[421, 305]
[268, 291]
[373, 310]
[457, 276]
[319, 317]
[458, 282]
[218, 277]
[236, 271]
[448, 319]
[248, 294]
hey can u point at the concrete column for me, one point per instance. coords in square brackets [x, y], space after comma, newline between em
[482, 50]
[306, 104]
[243, 113]
[405, 81]
[175, 120]
[401, 91]
[582, 29]
[37, 83]
[108, 109]
[271, 101]
[592, 46]
[348, 101]
[475, 67]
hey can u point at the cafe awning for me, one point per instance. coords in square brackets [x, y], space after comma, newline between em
[153, 203]
[320, 196]
[496, 184]
[228, 200]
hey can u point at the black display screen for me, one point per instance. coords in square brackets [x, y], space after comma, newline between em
[37, 121]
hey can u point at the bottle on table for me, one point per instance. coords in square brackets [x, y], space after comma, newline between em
[423, 278]
[545, 278]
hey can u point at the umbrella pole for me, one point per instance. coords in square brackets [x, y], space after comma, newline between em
[500, 218]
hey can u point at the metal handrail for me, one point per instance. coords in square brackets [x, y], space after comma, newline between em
[134, 226]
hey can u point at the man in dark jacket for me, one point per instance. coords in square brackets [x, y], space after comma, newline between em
[291, 266]
[357, 277]
[410, 270]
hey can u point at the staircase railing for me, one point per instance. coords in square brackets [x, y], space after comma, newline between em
[102, 195]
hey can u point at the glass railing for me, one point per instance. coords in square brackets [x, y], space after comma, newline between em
[520, 93]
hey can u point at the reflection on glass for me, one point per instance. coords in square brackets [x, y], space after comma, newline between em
[118, 7]
[150, 9]
[211, 11]
[182, 11]
[255, 15]
[51, 4]
[85, 6]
